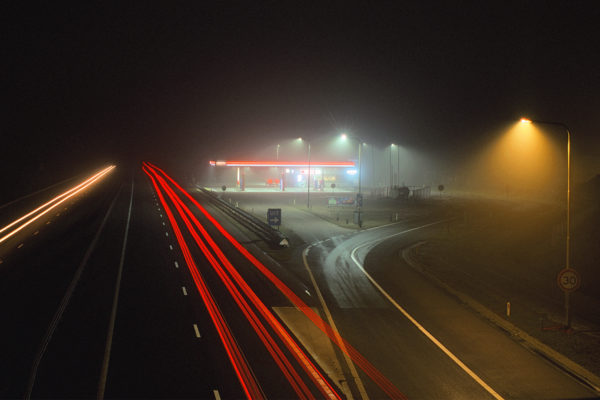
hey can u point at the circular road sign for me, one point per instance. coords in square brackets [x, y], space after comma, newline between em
[568, 280]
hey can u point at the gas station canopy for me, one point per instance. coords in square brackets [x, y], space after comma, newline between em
[285, 164]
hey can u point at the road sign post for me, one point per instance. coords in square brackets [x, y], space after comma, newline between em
[568, 280]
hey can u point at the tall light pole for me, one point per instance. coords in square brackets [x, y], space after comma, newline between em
[359, 167]
[398, 164]
[344, 136]
[568, 241]
[308, 180]
[308, 173]
[391, 168]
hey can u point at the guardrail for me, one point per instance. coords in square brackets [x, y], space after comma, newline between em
[264, 231]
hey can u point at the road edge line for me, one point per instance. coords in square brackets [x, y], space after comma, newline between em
[420, 327]
[359, 384]
[113, 314]
[581, 373]
[65, 301]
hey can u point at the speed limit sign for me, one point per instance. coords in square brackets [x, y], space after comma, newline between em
[568, 280]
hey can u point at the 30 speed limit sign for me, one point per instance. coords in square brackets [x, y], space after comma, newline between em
[568, 280]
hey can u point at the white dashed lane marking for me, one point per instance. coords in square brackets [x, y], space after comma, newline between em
[171, 247]
[19, 246]
[166, 233]
[197, 331]
[176, 264]
[184, 290]
[36, 232]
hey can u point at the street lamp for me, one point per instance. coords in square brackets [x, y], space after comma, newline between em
[344, 137]
[391, 168]
[568, 241]
[308, 174]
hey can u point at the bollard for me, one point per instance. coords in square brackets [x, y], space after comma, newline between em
[508, 308]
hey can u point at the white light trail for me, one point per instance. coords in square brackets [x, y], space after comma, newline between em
[50, 205]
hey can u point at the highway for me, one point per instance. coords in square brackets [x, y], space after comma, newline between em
[134, 287]
[120, 298]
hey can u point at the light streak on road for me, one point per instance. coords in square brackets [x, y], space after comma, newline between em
[270, 344]
[50, 205]
[239, 363]
[385, 384]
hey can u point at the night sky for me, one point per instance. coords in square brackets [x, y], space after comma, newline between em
[180, 83]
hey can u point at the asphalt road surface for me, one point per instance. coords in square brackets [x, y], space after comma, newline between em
[99, 299]
[420, 337]
[123, 292]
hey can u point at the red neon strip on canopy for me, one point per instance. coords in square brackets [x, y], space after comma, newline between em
[287, 164]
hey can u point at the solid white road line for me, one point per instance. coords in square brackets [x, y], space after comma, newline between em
[414, 321]
[113, 315]
[65, 301]
[336, 333]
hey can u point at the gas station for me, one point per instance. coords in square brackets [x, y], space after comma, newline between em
[290, 175]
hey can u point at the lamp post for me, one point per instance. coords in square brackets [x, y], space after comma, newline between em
[308, 173]
[359, 195]
[308, 180]
[398, 165]
[568, 238]
[391, 168]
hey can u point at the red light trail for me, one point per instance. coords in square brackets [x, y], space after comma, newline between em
[286, 367]
[245, 376]
[388, 387]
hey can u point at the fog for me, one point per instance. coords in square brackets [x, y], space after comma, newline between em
[518, 161]
[381, 166]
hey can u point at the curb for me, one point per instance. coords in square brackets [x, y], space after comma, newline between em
[559, 359]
